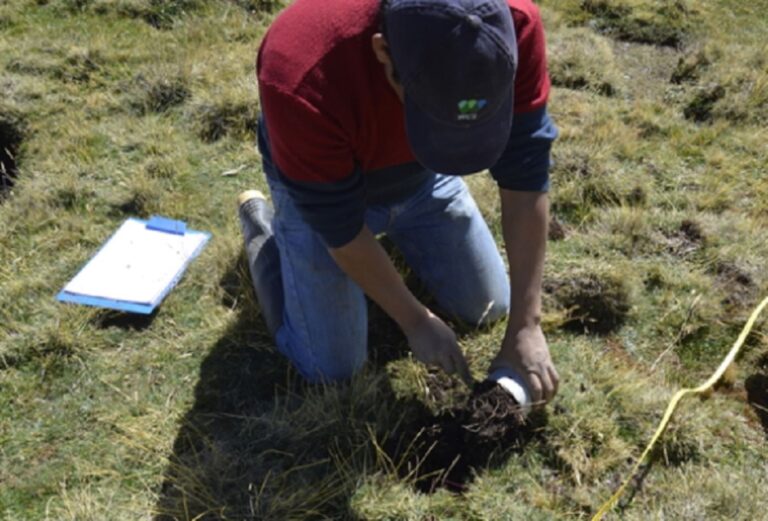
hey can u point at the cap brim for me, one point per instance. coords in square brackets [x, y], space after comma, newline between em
[456, 148]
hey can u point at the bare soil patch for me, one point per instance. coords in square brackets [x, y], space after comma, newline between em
[595, 303]
[686, 239]
[12, 132]
[740, 286]
[757, 396]
[487, 425]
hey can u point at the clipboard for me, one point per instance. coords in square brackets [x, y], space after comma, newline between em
[137, 266]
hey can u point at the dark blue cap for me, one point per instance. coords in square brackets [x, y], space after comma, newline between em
[456, 60]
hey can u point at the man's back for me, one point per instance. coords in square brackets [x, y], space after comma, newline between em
[328, 106]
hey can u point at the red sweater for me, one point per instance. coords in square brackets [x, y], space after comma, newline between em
[331, 116]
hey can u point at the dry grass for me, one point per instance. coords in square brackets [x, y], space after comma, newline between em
[581, 59]
[132, 107]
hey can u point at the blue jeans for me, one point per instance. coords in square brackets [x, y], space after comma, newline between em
[444, 240]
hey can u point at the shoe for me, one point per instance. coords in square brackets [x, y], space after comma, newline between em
[256, 216]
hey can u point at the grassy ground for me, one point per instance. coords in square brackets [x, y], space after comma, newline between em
[114, 108]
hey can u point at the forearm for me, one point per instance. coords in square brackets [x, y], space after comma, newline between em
[365, 261]
[525, 217]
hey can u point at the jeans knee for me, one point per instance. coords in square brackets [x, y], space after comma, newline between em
[337, 369]
[327, 361]
[492, 311]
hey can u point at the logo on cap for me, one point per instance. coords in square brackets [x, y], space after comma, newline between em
[469, 108]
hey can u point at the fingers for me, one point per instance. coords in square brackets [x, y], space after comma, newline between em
[547, 387]
[447, 363]
[543, 384]
[555, 378]
[534, 386]
[463, 368]
[453, 362]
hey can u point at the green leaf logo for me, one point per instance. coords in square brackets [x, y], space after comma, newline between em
[468, 108]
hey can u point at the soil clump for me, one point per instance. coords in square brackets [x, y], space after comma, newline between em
[443, 450]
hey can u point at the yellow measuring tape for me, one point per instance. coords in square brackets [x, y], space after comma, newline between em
[608, 505]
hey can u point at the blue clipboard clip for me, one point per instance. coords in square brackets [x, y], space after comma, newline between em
[156, 223]
[164, 224]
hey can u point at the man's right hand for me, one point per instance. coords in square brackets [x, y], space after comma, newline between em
[434, 343]
[431, 340]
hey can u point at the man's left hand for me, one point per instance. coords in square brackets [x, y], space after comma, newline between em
[525, 350]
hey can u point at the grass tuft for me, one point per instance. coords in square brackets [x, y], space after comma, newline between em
[162, 14]
[161, 168]
[657, 22]
[226, 118]
[261, 6]
[746, 98]
[73, 65]
[581, 59]
[691, 66]
[160, 91]
[595, 302]
[191, 413]
[700, 108]
[587, 182]
[79, 65]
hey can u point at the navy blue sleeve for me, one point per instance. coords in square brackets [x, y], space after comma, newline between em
[335, 211]
[524, 165]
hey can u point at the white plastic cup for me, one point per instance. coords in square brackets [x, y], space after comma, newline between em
[514, 384]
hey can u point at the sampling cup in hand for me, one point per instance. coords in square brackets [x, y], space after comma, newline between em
[514, 384]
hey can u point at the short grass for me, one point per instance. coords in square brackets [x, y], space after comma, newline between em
[117, 108]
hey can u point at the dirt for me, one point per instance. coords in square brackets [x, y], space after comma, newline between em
[757, 396]
[473, 435]
[12, 133]
[557, 231]
[740, 287]
[386, 341]
[699, 109]
[692, 231]
[686, 239]
[637, 197]
[595, 303]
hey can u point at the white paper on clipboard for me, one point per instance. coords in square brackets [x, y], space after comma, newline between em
[137, 264]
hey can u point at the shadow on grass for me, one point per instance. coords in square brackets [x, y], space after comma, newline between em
[258, 443]
[757, 395]
[125, 321]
